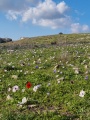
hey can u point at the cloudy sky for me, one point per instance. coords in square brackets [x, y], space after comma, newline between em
[28, 18]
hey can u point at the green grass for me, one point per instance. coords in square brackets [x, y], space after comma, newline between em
[53, 67]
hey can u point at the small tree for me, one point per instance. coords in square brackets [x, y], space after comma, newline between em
[60, 33]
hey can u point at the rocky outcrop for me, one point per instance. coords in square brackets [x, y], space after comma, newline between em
[4, 40]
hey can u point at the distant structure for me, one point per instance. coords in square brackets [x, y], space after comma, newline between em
[24, 38]
[4, 40]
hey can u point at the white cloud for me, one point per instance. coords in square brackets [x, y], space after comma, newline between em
[62, 7]
[16, 5]
[54, 23]
[43, 13]
[48, 14]
[79, 13]
[45, 10]
[76, 28]
[13, 15]
[85, 28]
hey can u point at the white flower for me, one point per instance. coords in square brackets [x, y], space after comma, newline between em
[62, 78]
[9, 89]
[57, 76]
[36, 87]
[20, 70]
[48, 84]
[9, 97]
[34, 62]
[5, 70]
[76, 71]
[58, 80]
[32, 72]
[24, 100]
[13, 66]
[23, 90]
[48, 94]
[86, 66]
[82, 93]
[26, 72]
[14, 76]
[15, 88]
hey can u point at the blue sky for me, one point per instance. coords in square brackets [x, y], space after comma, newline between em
[29, 18]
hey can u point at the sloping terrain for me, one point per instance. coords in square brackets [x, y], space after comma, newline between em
[45, 78]
[46, 41]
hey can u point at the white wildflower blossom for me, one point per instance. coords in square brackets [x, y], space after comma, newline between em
[5, 70]
[9, 89]
[76, 70]
[57, 76]
[20, 70]
[34, 62]
[36, 88]
[48, 94]
[82, 93]
[48, 84]
[15, 88]
[85, 66]
[39, 60]
[26, 72]
[14, 76]
[13, 66]
[9, 63]
[62, 78]
[32, 72]
[24, 100]
[9, 97]
[23, 90]
[58, 81]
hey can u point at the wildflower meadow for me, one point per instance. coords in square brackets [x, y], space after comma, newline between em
[44, 81]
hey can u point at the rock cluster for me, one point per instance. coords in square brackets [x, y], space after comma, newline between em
[4, 40]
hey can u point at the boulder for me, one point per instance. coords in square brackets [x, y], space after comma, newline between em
[4, 40]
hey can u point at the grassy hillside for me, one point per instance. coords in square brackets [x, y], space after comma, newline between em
[45, 78]
[46, 41]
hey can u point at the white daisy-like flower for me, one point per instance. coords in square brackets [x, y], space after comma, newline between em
[85, 66]
[48, 84]
[20, 70]
[5, 70]
[36, 88]
[15, 88]
[9, 89]
[57, 76]
[62, 78]
[76, 71]
[32, 72]
[48, 94]
[23, 90]
[82, 93]
[9, 97]
[24, 100]
[26, 72]
[14, 76]
[13, 66]
[58, 81]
